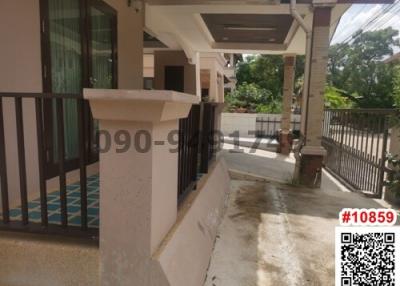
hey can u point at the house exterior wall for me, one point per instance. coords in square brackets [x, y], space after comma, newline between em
[21, 71]
[173, 58]
[21, 48]
[214, 63]
[130, 45]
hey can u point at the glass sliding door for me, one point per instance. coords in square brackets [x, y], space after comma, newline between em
[80, 52]
[102, 59]
[66, 68]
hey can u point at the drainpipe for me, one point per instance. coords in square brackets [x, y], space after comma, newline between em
[303, 25]
[306, 86]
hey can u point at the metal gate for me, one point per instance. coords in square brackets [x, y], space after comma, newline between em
[357, 141]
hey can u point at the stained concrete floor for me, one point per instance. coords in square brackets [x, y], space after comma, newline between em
[33, 260]
[274, 234]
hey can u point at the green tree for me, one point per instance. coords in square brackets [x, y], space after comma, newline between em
[396, 86]
[249, 98]
[358, 68]
[335, 99]
[266, 71]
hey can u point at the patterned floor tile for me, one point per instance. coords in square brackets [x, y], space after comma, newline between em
[73, 205]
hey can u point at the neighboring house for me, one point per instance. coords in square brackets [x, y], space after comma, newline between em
[73, 71]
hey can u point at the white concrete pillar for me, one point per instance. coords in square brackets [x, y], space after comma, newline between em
[138, 184]
[198, 76]
[312, 153]
[213, 92]
[162, 59]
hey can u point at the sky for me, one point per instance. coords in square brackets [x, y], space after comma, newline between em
[359, 14]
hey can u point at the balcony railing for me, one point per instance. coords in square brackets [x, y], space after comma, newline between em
[57, 215]
[66, 142]
[197, 146]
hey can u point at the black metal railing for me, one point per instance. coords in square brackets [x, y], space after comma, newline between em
[188, 151]
[356, 141]
[267, 127]
[209, 143]
[197, 146]
[41, 101]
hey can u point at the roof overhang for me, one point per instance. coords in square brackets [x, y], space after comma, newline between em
[265, 27]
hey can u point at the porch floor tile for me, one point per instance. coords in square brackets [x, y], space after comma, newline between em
[73, 205]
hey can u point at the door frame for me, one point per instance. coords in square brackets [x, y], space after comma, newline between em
[92, 156]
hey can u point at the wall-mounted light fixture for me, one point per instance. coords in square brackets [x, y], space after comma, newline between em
[248, 29]
[135, 4]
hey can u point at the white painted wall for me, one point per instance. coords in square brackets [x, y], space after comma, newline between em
[245, 122]
[241, 122]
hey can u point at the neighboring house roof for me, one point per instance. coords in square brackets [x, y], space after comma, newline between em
[392, 59]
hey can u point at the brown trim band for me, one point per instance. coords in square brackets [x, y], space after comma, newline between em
[289, 60]
[322, 16]
[365, 1]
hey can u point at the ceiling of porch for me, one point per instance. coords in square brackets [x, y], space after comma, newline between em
[260, 26]
[248, 28]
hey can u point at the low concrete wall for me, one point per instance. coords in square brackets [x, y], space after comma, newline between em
[238, 122]
[245, 123]
[183, 257]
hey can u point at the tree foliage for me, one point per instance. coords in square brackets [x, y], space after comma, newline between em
[396, 86]
[358, 68]
[251, 98]
[260, 84]
[335, 99]
[357, 76]
[267, 72]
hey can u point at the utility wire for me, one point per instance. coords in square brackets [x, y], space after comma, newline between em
[385, 14]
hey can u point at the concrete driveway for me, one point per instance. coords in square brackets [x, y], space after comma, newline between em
[274, 234]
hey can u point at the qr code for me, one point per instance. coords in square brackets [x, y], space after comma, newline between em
[367, 256]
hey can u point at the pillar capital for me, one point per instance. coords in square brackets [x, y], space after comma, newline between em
[324, 3]
[313, 151]
[139, 105]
